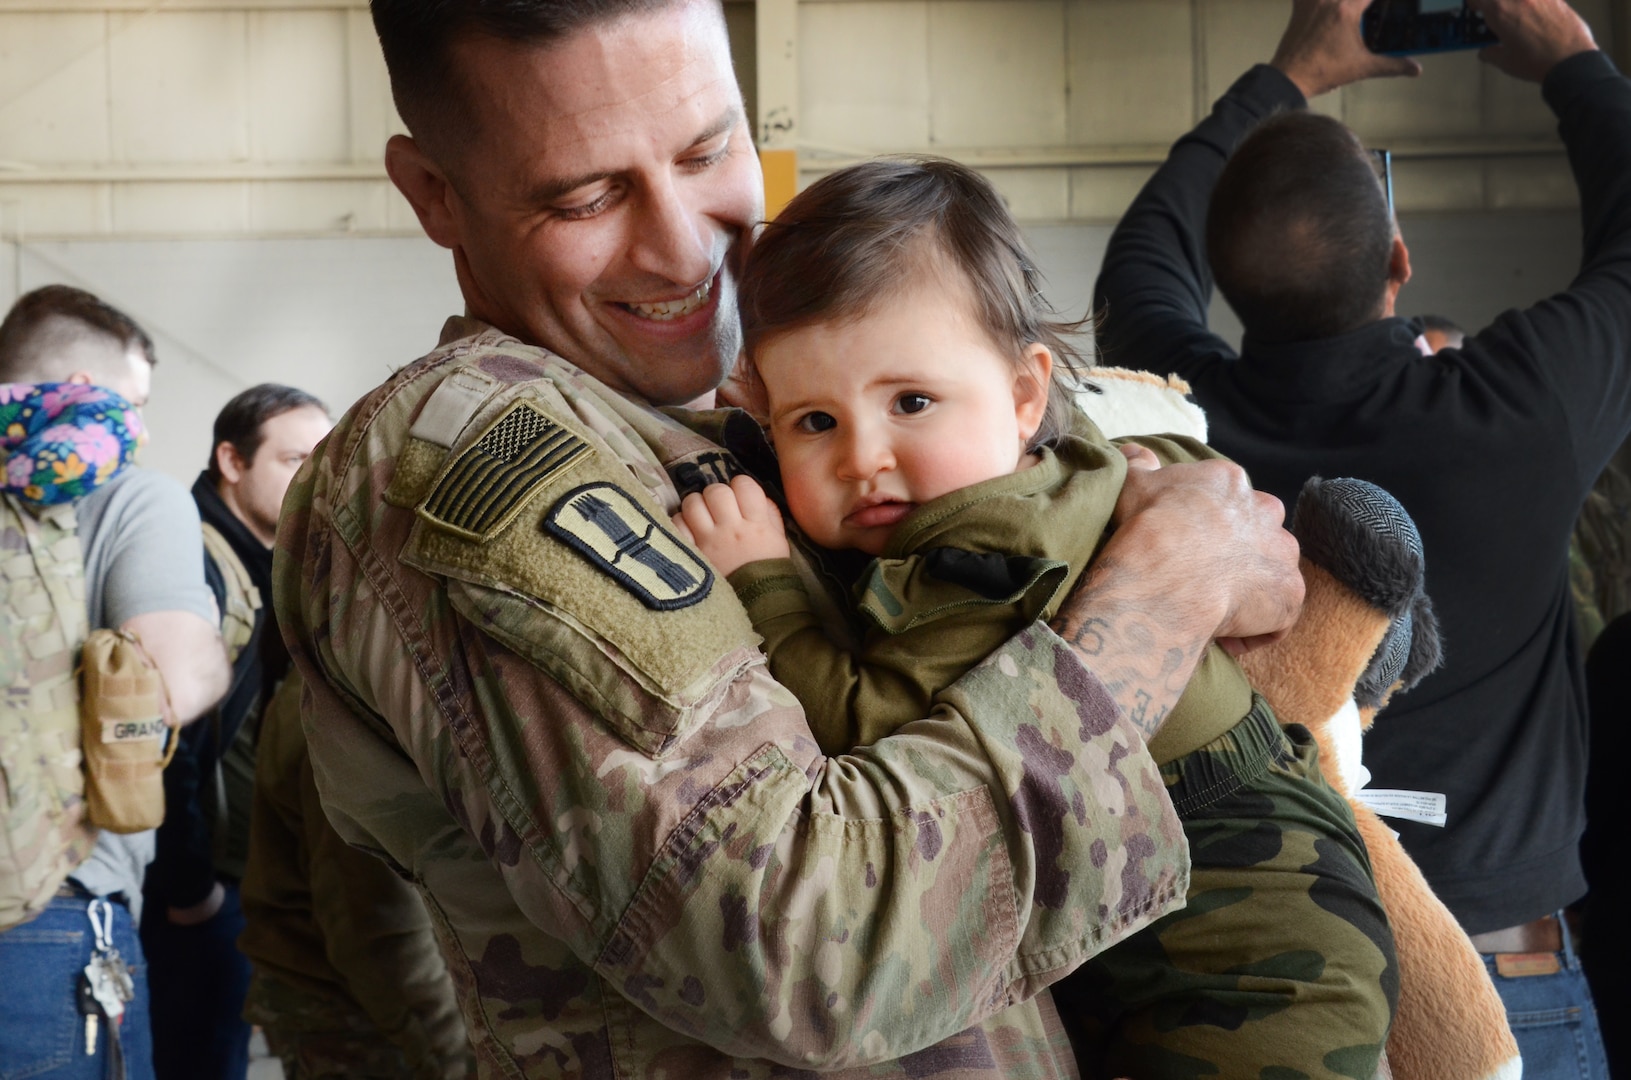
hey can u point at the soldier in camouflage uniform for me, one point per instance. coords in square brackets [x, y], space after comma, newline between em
[348, 979]
[536, 703]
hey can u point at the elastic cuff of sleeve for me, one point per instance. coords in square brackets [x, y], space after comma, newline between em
[1568, 78]
[1268, 85]
[769, 587]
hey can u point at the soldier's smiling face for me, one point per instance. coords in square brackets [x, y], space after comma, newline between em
[602, 200]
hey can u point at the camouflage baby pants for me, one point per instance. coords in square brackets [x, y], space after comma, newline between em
[1282, 964]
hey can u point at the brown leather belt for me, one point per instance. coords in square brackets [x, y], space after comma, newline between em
[1544, 935]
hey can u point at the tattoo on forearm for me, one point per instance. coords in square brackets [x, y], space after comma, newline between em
[1088, 638]
[1128, 642]
[1139, 713]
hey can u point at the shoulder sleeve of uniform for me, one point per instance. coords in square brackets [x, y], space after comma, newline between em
[551, 544]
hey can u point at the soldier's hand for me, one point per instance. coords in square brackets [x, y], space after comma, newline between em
[1322, 48]
[733, 524]
[1210, 545]
[1196, 556]
[1535, 35]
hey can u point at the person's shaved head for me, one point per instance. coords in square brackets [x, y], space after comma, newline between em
[420, 39]
[62, 334]
[1299, 233]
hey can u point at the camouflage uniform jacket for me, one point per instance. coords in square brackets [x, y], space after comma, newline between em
[332, 932]
[961, 575]
[531, 699]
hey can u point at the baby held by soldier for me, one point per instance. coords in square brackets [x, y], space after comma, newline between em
[919, 401]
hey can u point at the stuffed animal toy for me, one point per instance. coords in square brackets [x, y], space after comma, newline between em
[1124, 402]
[1366, 632]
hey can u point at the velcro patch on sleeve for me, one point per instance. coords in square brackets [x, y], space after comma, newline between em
[585, 578]
[605, 525]
[481, 490]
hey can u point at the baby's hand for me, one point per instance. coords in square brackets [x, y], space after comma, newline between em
[733, 524]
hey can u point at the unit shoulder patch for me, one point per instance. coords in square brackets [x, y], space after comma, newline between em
[482, 489]
[618, 537]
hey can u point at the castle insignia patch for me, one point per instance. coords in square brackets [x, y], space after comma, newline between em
[605, 525]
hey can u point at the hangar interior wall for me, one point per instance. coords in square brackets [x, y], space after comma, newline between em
[213, 166]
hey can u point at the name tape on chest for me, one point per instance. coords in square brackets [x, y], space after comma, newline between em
[709, 467]
[604, 524]
[486, 485]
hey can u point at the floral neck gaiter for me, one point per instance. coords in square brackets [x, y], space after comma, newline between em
[61, 441]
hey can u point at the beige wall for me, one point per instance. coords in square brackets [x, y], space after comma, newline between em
[1069, 104]
[256, 117]
[124, 118]
[214, 165]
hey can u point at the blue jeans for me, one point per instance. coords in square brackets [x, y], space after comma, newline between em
[1553, 1019]
[199, 980]
[42, 1032]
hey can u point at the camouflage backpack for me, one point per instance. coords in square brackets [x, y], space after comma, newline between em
[243, 599]
[44, 833]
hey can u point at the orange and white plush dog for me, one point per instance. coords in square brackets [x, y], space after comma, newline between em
[1366, 632]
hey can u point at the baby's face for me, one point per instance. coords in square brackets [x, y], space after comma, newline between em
[874, 416]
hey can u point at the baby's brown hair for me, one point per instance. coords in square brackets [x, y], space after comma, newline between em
[863, 235]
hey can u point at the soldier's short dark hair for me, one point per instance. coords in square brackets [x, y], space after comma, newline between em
[863, 235]
[417, 37]
[240, 421]
[53, 314]
[1299, 233]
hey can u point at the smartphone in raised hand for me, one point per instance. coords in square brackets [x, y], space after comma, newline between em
[1410, 27]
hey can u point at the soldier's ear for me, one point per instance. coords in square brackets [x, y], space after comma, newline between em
[426, 187]
[745, 389]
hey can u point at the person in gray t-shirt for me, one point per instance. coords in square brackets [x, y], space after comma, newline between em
[144, 557]
[144, 573]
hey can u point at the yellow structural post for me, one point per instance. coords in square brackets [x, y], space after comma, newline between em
[776, 30]
[781, 169]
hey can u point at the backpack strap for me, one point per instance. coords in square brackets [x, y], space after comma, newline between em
[243, 599]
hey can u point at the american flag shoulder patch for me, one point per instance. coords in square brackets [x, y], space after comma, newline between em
[605, 525]
[486, 485]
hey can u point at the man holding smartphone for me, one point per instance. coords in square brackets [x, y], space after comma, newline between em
[1490, 446]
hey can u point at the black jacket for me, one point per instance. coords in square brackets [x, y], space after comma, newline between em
[1491, 448]
[184, 867]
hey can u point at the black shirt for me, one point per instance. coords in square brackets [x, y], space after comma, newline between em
[184, 868]
[1492, 448]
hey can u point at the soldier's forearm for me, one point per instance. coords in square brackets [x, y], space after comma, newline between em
[1197, 554]
[959, 831]
[1142, 654]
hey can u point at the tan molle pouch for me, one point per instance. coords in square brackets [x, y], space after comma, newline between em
[127, 742]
